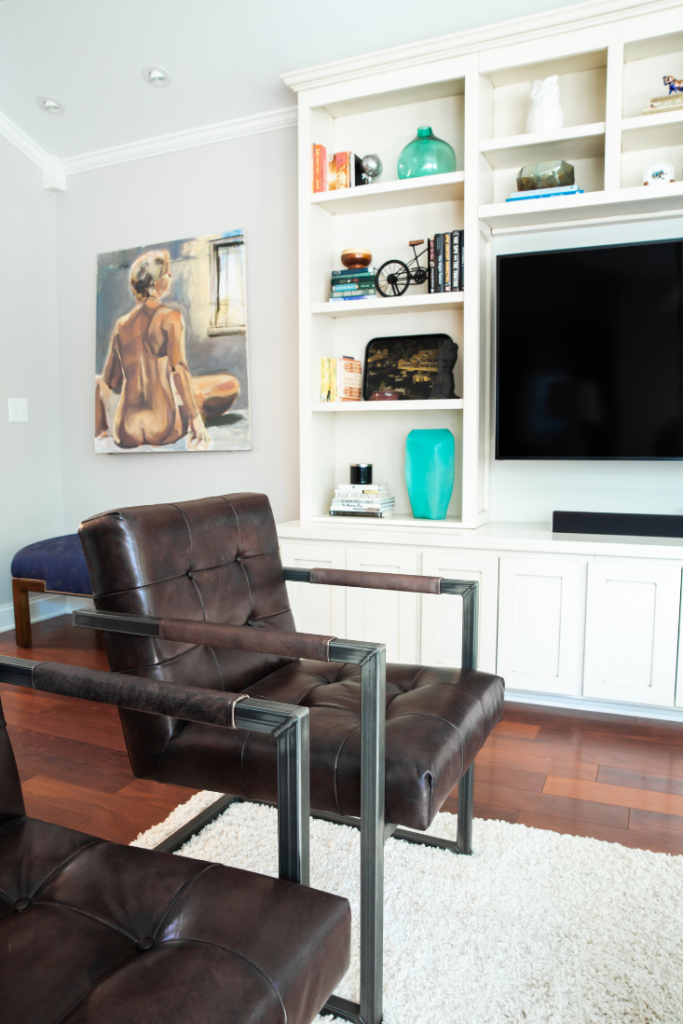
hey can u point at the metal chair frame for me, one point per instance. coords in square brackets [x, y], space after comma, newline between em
[373, 828]
[287, 722]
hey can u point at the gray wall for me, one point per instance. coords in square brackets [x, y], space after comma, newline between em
[31, 505]
[247, 183]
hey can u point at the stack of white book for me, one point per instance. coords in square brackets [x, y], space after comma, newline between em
[371, 500]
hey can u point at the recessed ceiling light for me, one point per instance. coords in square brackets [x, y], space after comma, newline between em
[157, 76]
[50, 105]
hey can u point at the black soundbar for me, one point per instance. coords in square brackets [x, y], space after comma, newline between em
[618, 524]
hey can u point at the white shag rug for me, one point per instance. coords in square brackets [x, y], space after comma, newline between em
[535, 927]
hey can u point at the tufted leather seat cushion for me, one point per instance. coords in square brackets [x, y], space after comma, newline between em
[217, 560]
[437, 720]
[96, 933]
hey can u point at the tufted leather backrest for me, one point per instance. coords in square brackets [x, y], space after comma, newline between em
[11, 800]
[214, 560]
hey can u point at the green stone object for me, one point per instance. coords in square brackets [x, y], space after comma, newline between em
[426, 154]
[551, 174]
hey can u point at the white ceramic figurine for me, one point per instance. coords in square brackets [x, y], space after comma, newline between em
[545, 113]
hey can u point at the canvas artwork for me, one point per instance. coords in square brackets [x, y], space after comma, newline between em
[172, 367]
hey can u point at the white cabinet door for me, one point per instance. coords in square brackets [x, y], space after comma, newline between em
[384, 616]
[317, 609]
[442, 616]
[632, 632]
[541, 620]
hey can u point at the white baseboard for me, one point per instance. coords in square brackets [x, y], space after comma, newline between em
[604, 707]
[44, 606]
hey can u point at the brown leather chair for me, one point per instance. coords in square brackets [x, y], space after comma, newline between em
[97, 933]
[216, 560]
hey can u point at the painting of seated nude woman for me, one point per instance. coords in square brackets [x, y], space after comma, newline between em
[172, 370]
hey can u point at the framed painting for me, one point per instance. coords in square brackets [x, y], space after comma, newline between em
[172, 362]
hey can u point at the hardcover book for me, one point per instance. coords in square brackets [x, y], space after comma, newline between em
[438, 248]
[432, 265]
[359, 273]
[319, 168]
[455, 261]
[349, 379]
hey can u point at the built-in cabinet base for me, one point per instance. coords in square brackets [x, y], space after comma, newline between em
[590, 620]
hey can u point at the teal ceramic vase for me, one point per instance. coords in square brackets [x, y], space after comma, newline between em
[426, 155]
[430, 472]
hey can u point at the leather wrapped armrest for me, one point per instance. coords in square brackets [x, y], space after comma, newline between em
[191, 703]
[377, 580]
[247, 638]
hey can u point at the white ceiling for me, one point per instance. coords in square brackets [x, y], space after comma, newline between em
[224, 57]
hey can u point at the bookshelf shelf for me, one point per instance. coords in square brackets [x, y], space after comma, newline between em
[435, 188]
[396, 520]
[652, 130]
[379, 306]
[574, 143]
[619, 204]
[386, 407]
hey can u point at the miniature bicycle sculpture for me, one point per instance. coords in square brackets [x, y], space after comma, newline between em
[394, 276]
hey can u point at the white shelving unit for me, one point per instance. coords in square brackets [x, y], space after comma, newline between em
[390, 195]
[474, 91]
[387, 407]
[552, 608]
[380, 306]
[576, 143]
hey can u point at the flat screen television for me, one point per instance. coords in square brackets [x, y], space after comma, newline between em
[590, 353]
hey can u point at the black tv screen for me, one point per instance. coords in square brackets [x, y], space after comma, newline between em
[590, 353]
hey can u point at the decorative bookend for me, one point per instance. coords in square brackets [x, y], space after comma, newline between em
[430, 472]
[545, 113]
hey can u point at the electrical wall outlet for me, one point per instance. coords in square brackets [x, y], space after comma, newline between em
[17, 410]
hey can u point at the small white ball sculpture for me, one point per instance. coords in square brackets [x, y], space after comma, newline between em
[545, 113]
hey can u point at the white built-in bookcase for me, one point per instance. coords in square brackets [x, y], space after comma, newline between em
[475, 94]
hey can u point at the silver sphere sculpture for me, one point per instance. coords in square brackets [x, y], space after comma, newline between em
[372, 167]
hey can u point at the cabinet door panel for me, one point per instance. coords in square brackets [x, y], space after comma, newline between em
[632, 620]
[317, 609]
[442, 616]
[384, 616]
[541, 619]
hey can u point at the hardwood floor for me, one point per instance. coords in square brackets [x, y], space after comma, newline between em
[614, 778]
[71, 753]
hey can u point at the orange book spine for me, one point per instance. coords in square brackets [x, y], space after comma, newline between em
[319, 168]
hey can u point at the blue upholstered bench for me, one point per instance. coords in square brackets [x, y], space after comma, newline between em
[53, 566]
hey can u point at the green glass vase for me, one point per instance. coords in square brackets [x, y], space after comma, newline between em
[430, 472]
[426, 154]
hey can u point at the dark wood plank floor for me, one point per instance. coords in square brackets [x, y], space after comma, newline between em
[71, 753]
[613, 778]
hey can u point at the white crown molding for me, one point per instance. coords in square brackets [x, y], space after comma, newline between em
[272, 120]
[484, 37]
[53, 175]
[23, 142]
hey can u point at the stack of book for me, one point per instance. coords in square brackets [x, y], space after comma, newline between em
[663, 104]
[546, 193]
[340, 170]
[370, 500]
[446, 262]
[347, 285]
[340, 379]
